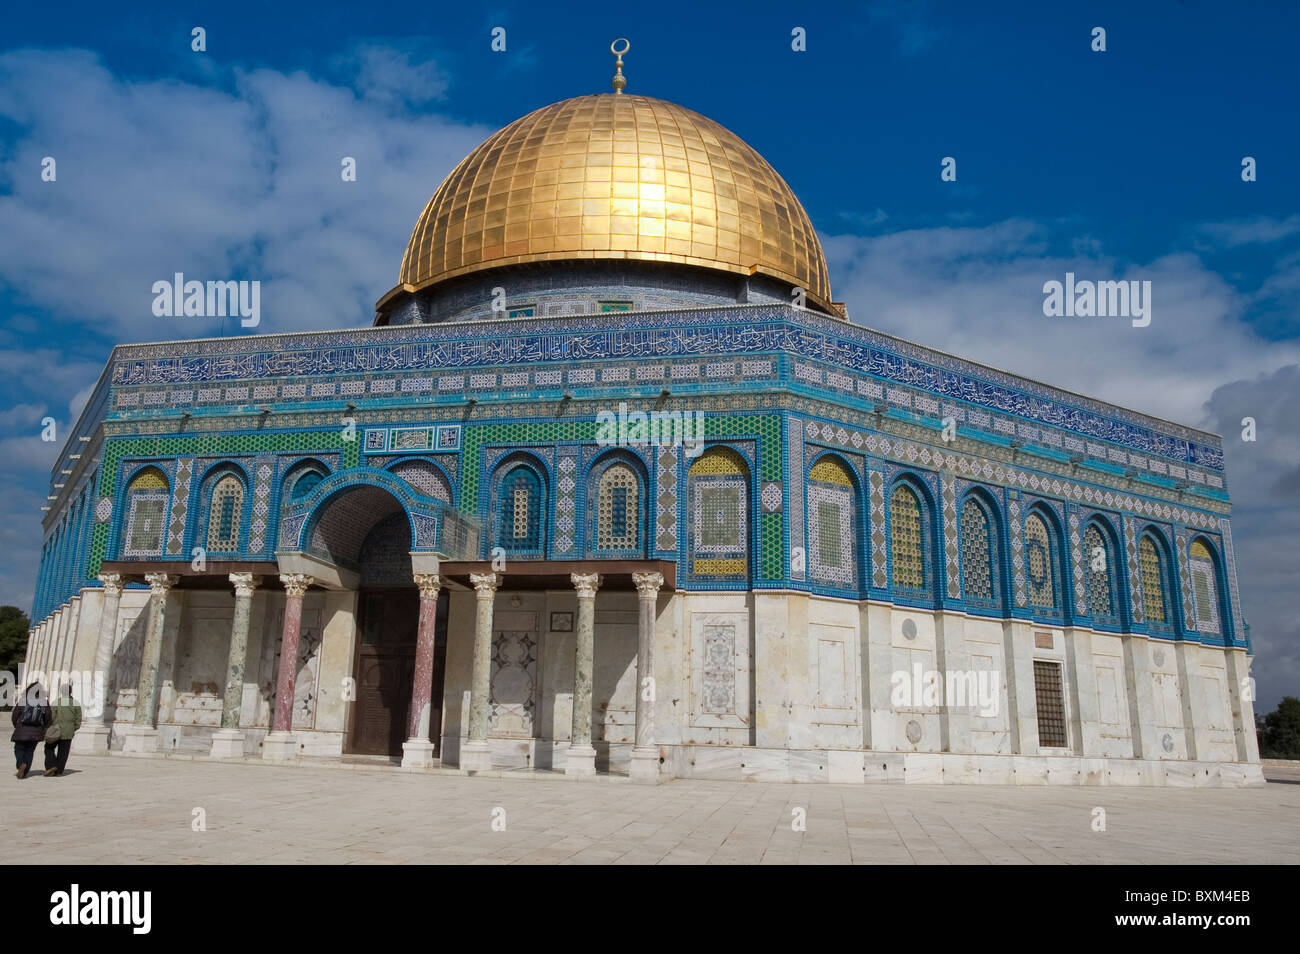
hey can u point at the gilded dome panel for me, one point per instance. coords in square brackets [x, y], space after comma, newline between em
[616, 177]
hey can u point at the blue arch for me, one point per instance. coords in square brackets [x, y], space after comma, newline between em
[1226, 629]
[931, 536]
[1119, 589]
[302, 517]
[536, 470]
[595, 470]
[998, 560]
[200, 504]
[1168, 577]
[861, 531]
[1062, 578]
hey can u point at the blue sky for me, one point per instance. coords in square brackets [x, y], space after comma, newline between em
[1122, 164]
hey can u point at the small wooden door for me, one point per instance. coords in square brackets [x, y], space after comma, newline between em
[385, 666]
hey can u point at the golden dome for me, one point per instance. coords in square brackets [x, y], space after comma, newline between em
[615, 176]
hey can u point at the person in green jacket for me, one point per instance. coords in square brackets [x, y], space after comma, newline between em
[65, 720]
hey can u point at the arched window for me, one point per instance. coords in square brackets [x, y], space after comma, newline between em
[1040, 564]
[618, 509]
[146, 515]
[519, 526]
[1151, 569]
[831, 522]
[224, 514]
[906, 540]
[1205, 587]
[719, 515]
[979, 579]
[1098, 580]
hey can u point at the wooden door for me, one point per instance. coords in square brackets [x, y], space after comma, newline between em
[388, 621]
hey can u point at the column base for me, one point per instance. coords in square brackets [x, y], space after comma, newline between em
[476, 757]
[227, 744]
[417, 754]
[581, 760]
[645, 765]
[91, 740]
[140, 740]
[280, 747]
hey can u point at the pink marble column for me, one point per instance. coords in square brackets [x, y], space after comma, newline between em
[417, 751]
[279, 743]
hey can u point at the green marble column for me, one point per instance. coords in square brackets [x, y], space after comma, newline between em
[146, 698]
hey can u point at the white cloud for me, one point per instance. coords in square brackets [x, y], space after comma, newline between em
[1265, 481]
[978, 293]
[163, 176]
[1261, 229]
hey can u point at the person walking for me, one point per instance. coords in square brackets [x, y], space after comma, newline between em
[30, 721]
[65, 720]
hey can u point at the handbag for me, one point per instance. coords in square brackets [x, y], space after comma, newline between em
[52, 732]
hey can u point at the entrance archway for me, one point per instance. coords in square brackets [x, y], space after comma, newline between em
[366, 529]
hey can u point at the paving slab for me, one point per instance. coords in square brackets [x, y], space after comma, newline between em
[115, 810]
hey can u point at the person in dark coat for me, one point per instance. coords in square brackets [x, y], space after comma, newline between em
[65, 720]
[30, 720]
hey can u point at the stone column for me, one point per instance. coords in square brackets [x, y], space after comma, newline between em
[476, 756]
[93, 737]
[645, 756]
[70, 642]
[228, 741]
[32, 658]
[417, 750]
[143, 736]
[279, 743]
[582, 757]
[51, 645]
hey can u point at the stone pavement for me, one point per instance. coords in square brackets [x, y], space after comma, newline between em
[123, 810]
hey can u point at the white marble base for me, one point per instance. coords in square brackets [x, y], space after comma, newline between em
[645, 766]
[476, 757]
[227, 744]
[580, 760]
[757, 763]
[91, 739]
[417, 754]
[280, 747]
[140, 740]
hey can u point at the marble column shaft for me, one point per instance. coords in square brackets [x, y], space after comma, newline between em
[146, 699]
[586, 585]
[647, 587]
[485, 585]
[295, 588]
[106, 637]
[422, 691]
[245, 584]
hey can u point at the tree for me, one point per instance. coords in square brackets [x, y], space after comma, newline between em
[1281, 736]
[13, 638]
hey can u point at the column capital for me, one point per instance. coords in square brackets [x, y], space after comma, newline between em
[113, 583]
[244, 583]
[485, 583]
[296, 584]
[429, 584]
[160, 583]
[648, 584]
[586, 584]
